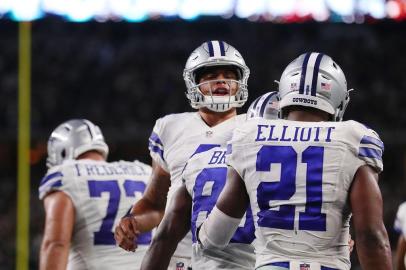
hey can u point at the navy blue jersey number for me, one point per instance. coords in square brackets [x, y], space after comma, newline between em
[312, 219]
[204, 200]
[105, 234]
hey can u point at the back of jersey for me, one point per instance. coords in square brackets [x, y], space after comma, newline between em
[298, 176]
[205, 176]
[102, 193]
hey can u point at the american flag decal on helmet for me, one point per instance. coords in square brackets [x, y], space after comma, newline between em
[326, 86]
[304, 266]
[180, 266]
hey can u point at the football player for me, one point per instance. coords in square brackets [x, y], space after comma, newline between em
[304, 175]
[265, 106]
[400, 226]
[204, 177]
[84, 196]
[216, 79]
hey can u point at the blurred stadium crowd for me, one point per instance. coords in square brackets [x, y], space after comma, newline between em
[124, 76]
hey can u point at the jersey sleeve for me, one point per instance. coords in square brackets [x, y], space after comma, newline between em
[400, 219]
[369, 147]
[187, 178]
[235, 151]
[56, 179]
[189, 171]
[156, 145]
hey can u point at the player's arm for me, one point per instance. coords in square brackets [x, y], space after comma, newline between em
[147, 213]
[59, 221]
[174, 226]
[370, 234]
[400, 253]
[218, 229]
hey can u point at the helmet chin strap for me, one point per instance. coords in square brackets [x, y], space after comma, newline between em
[219, 103]
[222, 107]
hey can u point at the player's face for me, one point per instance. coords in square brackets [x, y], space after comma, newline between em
[219, 81]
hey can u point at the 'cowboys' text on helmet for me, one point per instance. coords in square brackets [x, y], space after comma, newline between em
[314, 80]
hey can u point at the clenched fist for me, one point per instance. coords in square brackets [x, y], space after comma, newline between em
[126, 233]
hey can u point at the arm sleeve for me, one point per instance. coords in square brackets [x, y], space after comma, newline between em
[187, 178]
[156, 145]
[235, 153]
[217, 230]
[370, 148]
[58, 178]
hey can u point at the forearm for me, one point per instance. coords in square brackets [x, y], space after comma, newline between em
[150, 209]
[162, 248]
[217, 230]
[173, 228]
[147, 215]
[373, 249]
[54, 255]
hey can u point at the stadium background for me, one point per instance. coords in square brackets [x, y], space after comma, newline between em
[123, 76]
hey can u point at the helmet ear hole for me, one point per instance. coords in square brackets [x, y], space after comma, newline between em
[63, 153]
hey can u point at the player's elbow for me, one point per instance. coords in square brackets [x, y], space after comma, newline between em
[372, 239]
[164, 238]
[50, 246]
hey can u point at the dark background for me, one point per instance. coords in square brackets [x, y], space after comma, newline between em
[124, 76]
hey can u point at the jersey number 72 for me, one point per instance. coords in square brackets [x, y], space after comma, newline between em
[105, 235]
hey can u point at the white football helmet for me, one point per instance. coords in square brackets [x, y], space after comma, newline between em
[209, 54]
[265, 106]
[314, 80]
[73, 138]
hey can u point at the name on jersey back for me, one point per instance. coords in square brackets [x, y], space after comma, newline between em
[108, 169]
[293, 133]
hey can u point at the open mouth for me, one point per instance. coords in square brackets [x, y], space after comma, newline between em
[220, 92]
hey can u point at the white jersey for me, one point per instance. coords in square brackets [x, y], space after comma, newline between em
[175, 138]
[102, 193]
[400, 221]
[205, 176]
[298, 176]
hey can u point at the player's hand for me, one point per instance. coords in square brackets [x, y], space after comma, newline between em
[126, 233]
[351, 244]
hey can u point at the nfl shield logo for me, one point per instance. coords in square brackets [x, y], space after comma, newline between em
[180, 266]
[304, 266]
